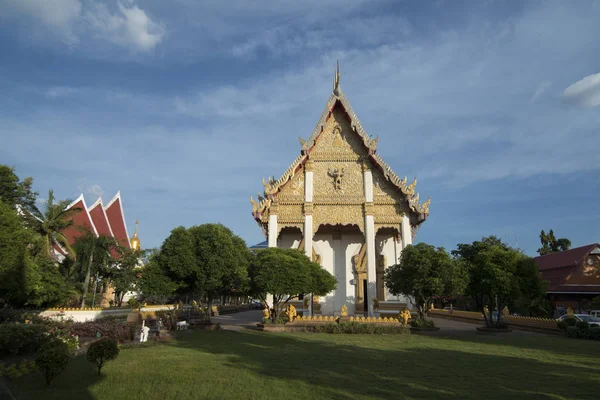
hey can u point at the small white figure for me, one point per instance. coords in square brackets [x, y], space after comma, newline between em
[144, 332]
[181, 325]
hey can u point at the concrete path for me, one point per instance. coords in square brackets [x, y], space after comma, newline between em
[240, 320]
[453, 327]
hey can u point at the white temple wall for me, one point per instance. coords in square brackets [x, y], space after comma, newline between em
[352, 244]
[289, 240]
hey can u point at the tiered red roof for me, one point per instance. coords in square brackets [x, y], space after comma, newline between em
[108, 221]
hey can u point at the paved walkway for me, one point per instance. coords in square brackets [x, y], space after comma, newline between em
[239, 320]
[451, 327]
[249, 319]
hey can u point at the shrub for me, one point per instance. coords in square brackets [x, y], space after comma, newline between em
[16, 339]
[582, 325]
[562, 325]
[115, 329]
[353, 327]
[594, 333]
[102, 351]
[422, 323]
[16, 371]
[52, 358]
[133, 302]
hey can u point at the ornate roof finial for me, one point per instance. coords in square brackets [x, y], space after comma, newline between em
[134, 241]
[336, 79]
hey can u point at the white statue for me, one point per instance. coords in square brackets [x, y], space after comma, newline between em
[144, 332]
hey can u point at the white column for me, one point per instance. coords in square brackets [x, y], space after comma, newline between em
[368, 180]
[308, 237]
[308, 184]
[406, 231]
[371, 269]
[273, 230]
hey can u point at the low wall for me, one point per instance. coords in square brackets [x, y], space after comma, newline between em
[535, 324]
[85, 315]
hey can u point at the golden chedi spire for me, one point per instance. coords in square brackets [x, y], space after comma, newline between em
[135, 240]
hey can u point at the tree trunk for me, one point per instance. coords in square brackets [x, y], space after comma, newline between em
[86, 283]
[210, 301]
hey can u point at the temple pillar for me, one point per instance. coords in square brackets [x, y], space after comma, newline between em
[406, 231]
[370, 239]
[308, 220]
[272, 242]
[272, 230]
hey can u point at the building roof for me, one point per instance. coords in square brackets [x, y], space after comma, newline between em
[106, 220]
[116, 218]
[564, 271]
[338, 99]
[563, 259]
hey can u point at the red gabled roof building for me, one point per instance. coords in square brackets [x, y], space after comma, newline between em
[106, 220]
[573, 276]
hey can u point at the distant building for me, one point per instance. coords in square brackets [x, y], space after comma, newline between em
[573, 277]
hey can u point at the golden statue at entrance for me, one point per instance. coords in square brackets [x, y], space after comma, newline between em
[291, 313]
[266, 314]
[505, 311]
[404, 316]
[344, 312]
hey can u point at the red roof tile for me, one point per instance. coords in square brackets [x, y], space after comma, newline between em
[81, 221]
[116, 219]
[564, 258]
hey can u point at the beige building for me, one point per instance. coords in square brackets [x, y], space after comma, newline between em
[342, 205]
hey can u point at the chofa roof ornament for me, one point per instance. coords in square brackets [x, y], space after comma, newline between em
[336, 80]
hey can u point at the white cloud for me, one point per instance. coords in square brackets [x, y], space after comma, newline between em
[58, 15]
[585, 92]
[61, 91]
[540, 91]
[74, 21]
[131, 27]
[90, 189]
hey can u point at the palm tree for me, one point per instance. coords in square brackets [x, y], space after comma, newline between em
[93, 253]
[52, 222]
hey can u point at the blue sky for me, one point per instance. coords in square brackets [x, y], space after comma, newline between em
[184, 106]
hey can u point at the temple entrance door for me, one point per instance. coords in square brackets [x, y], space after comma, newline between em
[365, 300]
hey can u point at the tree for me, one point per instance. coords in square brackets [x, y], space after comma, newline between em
[26, 280]
[52, 222]
[154, 283]
[205, 260]
[124, 275]
[93, 255]
[552, 245]
[14, 192]
[498, 276]
[52, 358]
[101, 351]
[423, 273]
[285, 274]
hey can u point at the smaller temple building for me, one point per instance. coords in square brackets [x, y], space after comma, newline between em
[573, 277]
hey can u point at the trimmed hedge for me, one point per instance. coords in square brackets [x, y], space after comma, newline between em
[353, 327]
[422, 323]
[111, 328]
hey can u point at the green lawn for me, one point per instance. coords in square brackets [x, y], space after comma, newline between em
[256, 365]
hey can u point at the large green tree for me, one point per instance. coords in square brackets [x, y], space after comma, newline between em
[424, 272]
[26, 279]
[205, 260]
[285, 274]
[499, 276]
[550, 244]
[14, 192]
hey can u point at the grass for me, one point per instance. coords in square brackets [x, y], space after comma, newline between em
[256, 365]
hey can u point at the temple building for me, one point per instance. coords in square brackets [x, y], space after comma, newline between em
[108, 220]
[573, 277]
[344, 207]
